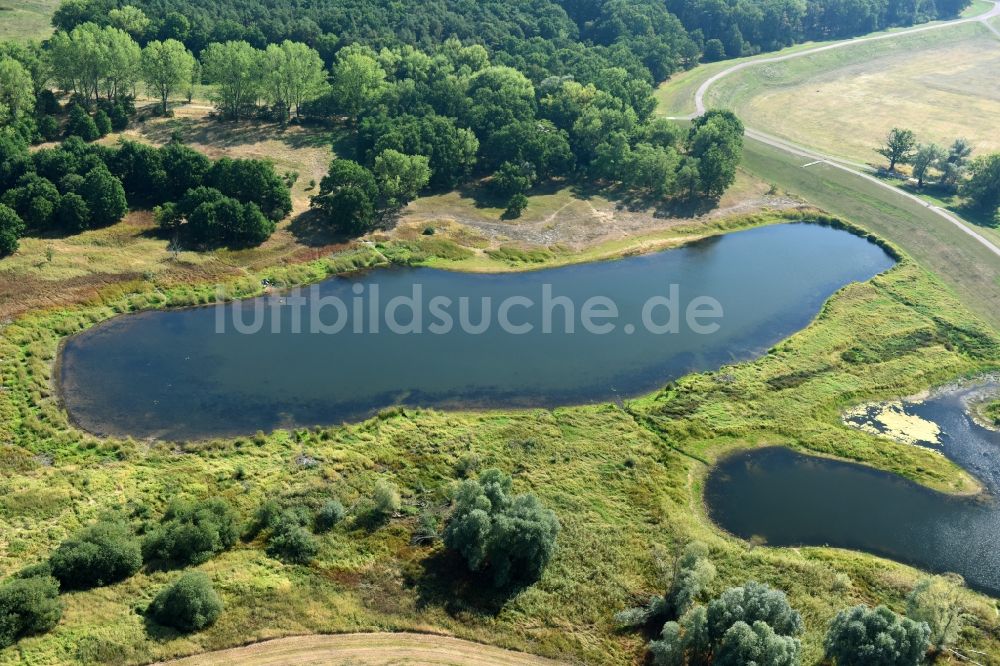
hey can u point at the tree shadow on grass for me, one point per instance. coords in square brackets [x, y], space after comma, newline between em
[221, 134]
[156, 631]
[310, 229]
[484, 196]
[443, 580]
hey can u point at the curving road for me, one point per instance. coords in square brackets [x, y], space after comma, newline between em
[850, 167]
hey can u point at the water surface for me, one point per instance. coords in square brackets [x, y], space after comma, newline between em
[791, 499]
[169, 374]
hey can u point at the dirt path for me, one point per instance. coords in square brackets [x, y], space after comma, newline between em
[852, 168]
[375, 649]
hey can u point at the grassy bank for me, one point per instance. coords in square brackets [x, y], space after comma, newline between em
[625, 481]
[958, 260]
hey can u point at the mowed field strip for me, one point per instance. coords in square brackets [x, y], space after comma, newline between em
[375, 649]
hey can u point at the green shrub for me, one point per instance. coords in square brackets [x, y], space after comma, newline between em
[290, 542]
[265, 518]
[329, 515]
[104, 553]
[190, 533]
[516, 206]
[81, 124]
[28, 605]
[860, 635]
[119, 118]
[11, 230]
[511, 536]
[103, 122]
[188, 604]
[386, 499]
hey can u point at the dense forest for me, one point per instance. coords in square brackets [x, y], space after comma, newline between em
[558, 36]
[436, 93]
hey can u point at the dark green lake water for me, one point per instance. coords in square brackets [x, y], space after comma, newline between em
[791, 499]
[170, 374]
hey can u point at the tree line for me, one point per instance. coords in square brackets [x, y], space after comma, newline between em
[953, 168]
[656, 36]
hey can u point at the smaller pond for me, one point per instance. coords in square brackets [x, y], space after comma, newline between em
[790, 499]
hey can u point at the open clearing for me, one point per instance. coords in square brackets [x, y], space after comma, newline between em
[843, 102]
[21, 20]
[380, 649]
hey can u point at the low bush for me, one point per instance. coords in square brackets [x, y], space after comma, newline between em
[188, 604]
[329, 515]
[190, 533]
[28, 605]
[104, 553]
[290, 541]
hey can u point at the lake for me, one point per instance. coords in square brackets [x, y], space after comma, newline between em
[790, 499]
[330, 356]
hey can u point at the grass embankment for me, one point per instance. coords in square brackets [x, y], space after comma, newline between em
[987, 413]
[624, 481]
[21, 20]
[844, 101]
[958, 260]
[676, 95]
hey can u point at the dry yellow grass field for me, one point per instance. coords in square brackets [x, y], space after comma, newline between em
[843, 103]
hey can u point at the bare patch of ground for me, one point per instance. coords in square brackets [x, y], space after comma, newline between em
[575, 219]
[380, 649]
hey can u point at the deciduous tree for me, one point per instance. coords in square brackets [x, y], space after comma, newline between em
[166, 68]
[899, 147]
[861, 636]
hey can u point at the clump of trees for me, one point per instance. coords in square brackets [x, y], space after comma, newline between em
[188, 604]
[983, 185]
[654, 38]
[512, 537]
[978, 180]
[355, 199]
[75, 187]
[191, 533]
[753, 623]
[862, 635]
[103, 553]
